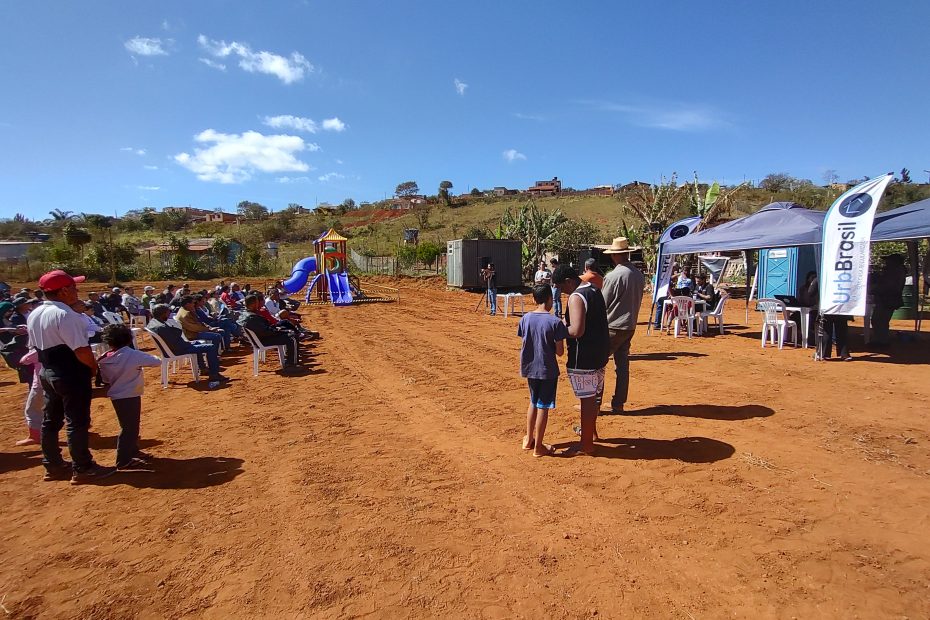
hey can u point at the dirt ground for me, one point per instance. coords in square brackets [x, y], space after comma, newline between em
[388, 481]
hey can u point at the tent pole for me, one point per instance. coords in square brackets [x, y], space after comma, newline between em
[652, 313]
[747, 254]
[915, 272]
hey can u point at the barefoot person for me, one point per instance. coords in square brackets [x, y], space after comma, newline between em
[588, 348]
[543, 335]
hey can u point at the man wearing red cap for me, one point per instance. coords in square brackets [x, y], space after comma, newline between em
[59, 334]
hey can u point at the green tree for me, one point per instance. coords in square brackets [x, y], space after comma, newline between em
[349, 204]
[76, 237]
[655, 206]
[444, 188]
[905, 175]
[252, 210]
[407, 188]
[475, 191]
[428, 252]
[572, 234]
[534, 228]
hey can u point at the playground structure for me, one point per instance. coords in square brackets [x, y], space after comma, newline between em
[331, 282]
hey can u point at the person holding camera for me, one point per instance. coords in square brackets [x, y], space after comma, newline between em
[489, 276]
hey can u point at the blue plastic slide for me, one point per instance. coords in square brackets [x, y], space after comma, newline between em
[311, 285]
[345, 288]
[339, 292]
[302, 270]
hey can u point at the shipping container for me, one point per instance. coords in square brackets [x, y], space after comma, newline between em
[467, 257]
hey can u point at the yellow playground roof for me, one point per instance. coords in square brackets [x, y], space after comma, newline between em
[332, 235]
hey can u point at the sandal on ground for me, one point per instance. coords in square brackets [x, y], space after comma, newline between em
[574, 451]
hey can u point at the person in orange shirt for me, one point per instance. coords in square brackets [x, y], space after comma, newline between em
[592, 275]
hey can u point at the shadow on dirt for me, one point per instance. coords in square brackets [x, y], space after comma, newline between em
[703, 412]
[685, 449]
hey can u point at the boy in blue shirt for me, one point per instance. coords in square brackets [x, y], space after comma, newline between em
[543, 339]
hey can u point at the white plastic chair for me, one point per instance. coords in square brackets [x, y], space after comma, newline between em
[717, 314]
[115, 319]
[259, 350]
[169, 361]
[683, 315]
[775, 322]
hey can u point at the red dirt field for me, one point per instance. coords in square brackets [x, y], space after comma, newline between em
[388, 481]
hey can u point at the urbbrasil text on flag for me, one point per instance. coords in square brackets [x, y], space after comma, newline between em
[847, 236]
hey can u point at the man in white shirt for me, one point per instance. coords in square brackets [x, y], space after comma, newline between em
[543, 275]
[59, 334]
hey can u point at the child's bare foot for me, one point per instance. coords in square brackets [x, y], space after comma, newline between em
[544, 450]
[527, 443]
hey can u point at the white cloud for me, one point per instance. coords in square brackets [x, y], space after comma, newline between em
[213, 64]
[529, 117]
[301, 123]
[287, 121]
[132, 149]
[148, 188]
[339, 161]
[333, 124]
[288, 70]
[329, 176]
[671, 116]
[460, 86]
[234, 158]
[165, 25]
[512, 155]
[150, 167]
[144, 46]
[286, 180]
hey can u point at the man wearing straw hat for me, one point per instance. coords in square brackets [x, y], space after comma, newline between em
[623, 295]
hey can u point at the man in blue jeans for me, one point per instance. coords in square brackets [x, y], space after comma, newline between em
[490, 278]
[59, 335]
[556, 291]
[173, 338]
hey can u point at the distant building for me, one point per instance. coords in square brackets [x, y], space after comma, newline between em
[198, 248]
[600, 190]
[546, 188]
[204, 215]
[503, 191]
[15, 250]
[405, 203]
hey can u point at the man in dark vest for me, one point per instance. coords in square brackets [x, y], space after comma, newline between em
[588, 349]
[59, 334]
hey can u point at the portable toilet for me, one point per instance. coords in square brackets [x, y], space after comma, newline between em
[782, 271]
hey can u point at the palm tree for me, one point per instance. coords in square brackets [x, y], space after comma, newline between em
[60, 216]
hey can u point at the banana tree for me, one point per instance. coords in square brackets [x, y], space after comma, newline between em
[714, 204]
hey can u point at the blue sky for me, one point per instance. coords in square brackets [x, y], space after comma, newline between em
[109, 106]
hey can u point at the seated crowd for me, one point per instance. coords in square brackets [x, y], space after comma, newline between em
[204, 323]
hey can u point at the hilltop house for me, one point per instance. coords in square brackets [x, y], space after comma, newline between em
[503, 191]
[546, 188]
[199, 248]
[405, 203]
[203, 215]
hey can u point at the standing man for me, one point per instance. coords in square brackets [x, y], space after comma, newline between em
[543, 276]
[59, 334]
[886, 288]
[490, 278]
[592, 274]
[623, 295]
[556, 291]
